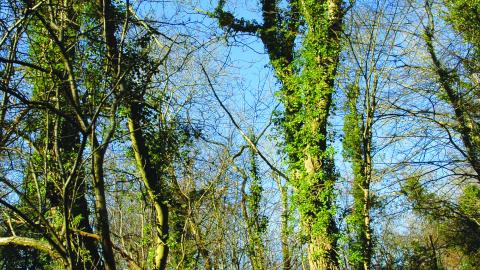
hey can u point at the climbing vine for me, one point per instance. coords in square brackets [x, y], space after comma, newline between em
[307, 77]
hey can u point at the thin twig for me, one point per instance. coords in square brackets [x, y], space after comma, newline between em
[247, 139]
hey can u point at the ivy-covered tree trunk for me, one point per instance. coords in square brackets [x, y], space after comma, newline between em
[307, 96]
[314, 187]
[357, 147]
[256, 224]
[134, 105]
[285, 228]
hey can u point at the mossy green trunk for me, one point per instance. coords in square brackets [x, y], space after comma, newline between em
[357, 149]
[314, 177]
[256, 223]
[307, 88]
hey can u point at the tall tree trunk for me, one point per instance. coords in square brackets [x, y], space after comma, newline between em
[357, 146]
[321, 56]
[307, 96]
[66, 135]
[152, 183]
[80, 208]
[144, 163]
[250, 211]
[368, 170]
[103, 226]
[468, 128]
[284, 229]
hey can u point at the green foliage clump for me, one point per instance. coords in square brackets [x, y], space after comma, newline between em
[458, 223]
[464, 16]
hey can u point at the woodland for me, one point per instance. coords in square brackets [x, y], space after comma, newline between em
[239, 134]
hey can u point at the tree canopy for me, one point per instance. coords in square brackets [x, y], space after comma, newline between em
[270, 134]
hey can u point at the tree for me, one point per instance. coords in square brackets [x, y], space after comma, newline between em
[458, 93]
[61, 145]
[357, 146]
[307, 88]
[133, 136]
[457, 224]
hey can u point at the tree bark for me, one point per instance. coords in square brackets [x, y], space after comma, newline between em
[100, 203]
[286, 256]
[32, 243]
[152, 184]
